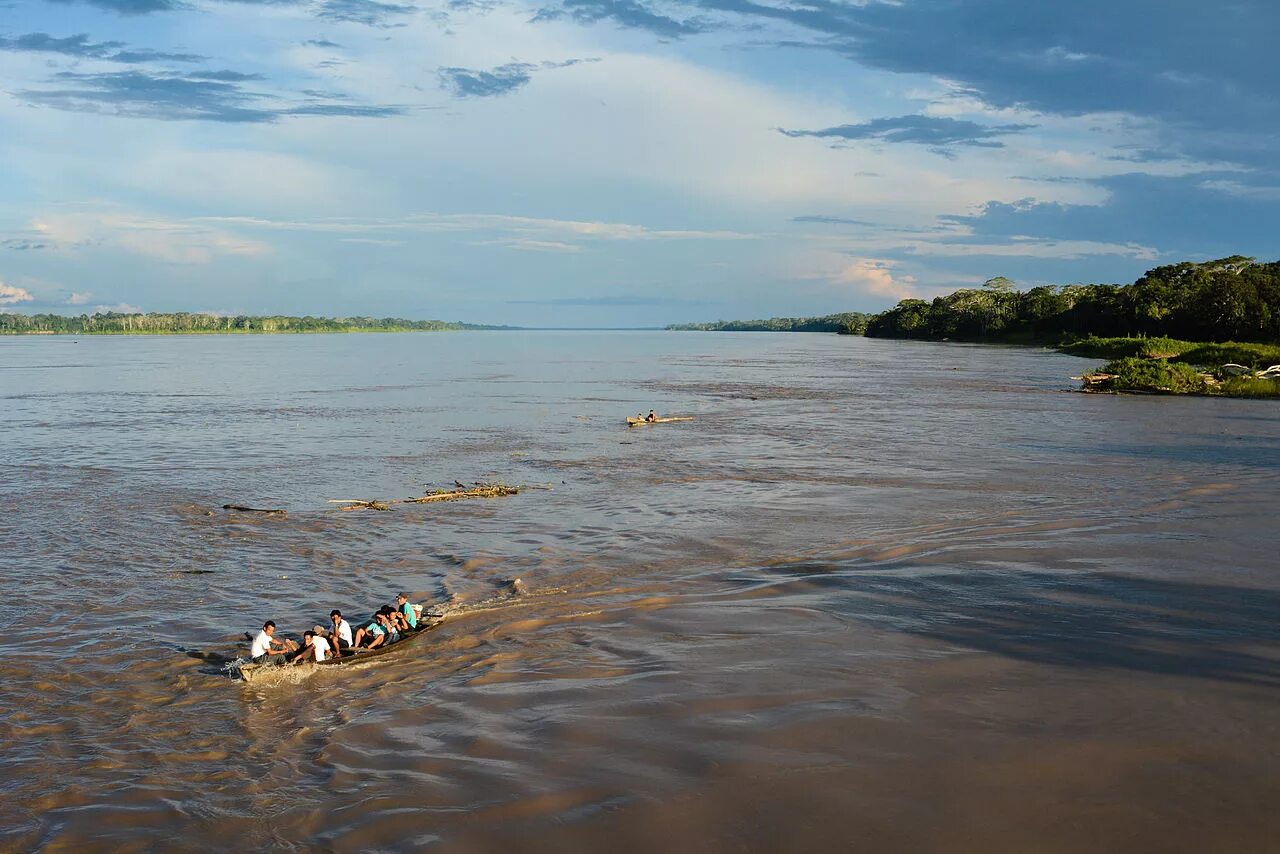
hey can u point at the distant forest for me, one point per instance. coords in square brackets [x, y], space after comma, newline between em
[115, 323]
[1232, 299]
[847, 323]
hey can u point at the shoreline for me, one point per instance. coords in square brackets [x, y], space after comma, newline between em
[185, 332]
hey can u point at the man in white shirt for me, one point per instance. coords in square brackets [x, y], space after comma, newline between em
[315, 647]
[341, 632]
[266, 649]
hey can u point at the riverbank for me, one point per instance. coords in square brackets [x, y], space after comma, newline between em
[1170, 366]
[186, 323]
[1190, 352]
[334, 331]
[844, 323]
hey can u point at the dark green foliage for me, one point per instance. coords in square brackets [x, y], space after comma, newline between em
[847, 323]
[1232, 299]
[1200, 355]
[1131, 374]
[1216, 355]
[183, 323]
[1119, 348]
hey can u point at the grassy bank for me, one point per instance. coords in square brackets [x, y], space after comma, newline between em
[1168, 366]
[1189, 352]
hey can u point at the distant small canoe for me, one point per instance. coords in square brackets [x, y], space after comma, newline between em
[636, 422]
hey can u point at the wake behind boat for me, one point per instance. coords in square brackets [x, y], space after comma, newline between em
[251, 672]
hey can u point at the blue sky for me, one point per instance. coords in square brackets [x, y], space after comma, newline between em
[621, 162]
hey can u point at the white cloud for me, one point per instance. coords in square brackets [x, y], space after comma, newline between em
[437, 222]
[655, 162]
[231, 178]
[119, 308]
[1243, 191]
[1034, 247]
[1057, 53]
[171, 240]
[12, 294]
[535, 245]
[876, 278]
[958, 242]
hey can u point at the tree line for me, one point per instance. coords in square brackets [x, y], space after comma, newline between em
[1231, 299]
[847, 323]
[183, 322]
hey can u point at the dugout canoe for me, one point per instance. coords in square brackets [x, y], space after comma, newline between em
[429, 620]
[636, 422]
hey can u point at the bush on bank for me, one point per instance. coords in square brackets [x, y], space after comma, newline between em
[1154, 375]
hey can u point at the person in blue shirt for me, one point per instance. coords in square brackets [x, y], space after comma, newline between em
[391, 622]
[406, 608]
[374, 634]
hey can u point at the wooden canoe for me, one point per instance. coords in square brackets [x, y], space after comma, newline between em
[429, 620]
[636, 422]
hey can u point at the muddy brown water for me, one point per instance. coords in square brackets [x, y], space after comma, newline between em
[880, 596]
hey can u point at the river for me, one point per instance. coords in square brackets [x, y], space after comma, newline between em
[882, 596]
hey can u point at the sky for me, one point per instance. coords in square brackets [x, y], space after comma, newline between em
[621, 162]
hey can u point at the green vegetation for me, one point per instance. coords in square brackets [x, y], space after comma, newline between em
[114, 323]
[1212, 355]
[1120, 348]
[1192, 353]
[1232, 299]
[1170, 377]
[1249, 387]
[1182, 367]
[1137, 374]
[1150, 331]
[846, 323]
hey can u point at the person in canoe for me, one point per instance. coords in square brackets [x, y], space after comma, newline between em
[341, 633]
[652, 416]
[267, 650]
[369, 636]
[392, 620]
[315, 648]
[408, 611]
[377, 632]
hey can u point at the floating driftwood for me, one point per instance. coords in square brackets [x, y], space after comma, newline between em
[361, 504]
[243, 509]
[1096, 381]
[479, 490]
